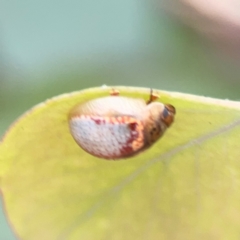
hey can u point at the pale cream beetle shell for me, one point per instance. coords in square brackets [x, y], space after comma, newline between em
[116, 127]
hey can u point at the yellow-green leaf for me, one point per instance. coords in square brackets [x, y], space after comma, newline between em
[184, 187]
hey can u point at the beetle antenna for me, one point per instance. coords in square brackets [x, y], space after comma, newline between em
[152, 97]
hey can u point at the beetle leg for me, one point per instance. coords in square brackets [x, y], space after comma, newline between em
[153, 96]
[114, 92]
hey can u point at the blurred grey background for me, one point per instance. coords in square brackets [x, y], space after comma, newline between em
[53, 47]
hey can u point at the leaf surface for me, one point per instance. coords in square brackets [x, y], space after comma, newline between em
[184, 187]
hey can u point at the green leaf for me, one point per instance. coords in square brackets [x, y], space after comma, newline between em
[184, 187]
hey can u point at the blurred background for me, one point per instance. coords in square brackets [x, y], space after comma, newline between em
[51, 47]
